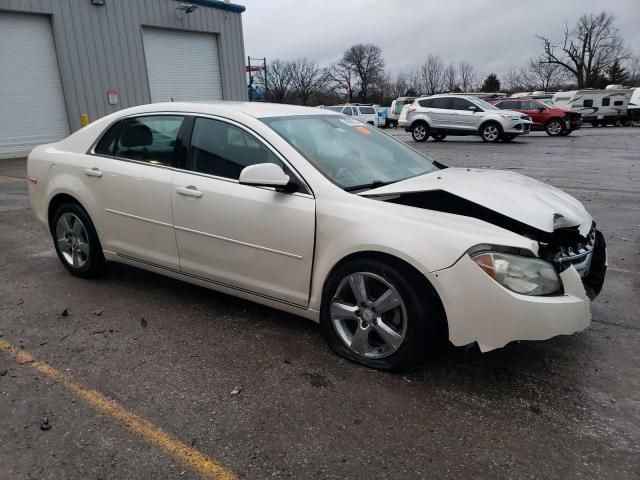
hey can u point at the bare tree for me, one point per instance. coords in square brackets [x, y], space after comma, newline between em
[633, 65]
[466, 76]
[278, 81]
[588, 49]
[517, 80]
[367, 62]
[450, 77]
[307, 78]
[344, 78]
[431, 74]
[545, 76]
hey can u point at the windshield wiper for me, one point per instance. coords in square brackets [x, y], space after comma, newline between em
[366, 186]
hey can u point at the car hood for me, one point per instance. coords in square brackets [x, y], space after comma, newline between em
[510, 194]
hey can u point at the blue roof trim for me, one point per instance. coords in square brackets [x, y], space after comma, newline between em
[219, 4]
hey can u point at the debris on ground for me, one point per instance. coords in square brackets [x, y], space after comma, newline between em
[236, 390]
[44, 424]
[3, 372]
[143, 322]
[65, 313]
[97, 313]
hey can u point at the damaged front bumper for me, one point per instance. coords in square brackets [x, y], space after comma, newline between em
[480, 310]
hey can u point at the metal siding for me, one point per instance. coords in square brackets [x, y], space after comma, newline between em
[101, 47]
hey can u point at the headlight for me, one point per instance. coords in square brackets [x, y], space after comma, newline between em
[524, 275]
[510, 116]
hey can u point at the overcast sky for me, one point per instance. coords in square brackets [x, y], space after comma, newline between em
[494, 35]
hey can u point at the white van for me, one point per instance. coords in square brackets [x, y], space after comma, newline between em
[597, 107]
[364, 113]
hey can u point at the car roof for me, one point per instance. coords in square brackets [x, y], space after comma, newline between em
[254, 109]
[446, 95]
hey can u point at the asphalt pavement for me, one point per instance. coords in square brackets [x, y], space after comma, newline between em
[134, 375]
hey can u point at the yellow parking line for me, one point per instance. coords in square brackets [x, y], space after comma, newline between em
[191, 457]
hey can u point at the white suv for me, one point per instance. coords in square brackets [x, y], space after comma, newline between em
[364, 113]
[442, 115]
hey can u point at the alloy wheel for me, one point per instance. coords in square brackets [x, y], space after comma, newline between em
[369, 315]
[554, 128]
[490, 133]
[419, 132]
[72, 239]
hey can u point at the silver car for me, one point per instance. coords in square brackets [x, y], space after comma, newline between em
[442, 115]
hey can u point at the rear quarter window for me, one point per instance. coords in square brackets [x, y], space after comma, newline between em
[107, 143]
[367, 111]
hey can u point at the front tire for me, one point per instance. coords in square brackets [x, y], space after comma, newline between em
[420, 132]
[372, 314]
[76, 241]
[491, 132]
[554, 128]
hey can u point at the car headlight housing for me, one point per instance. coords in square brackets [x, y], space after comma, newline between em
[510, 116]
[523, 275]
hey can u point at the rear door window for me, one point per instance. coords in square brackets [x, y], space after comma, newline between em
[347, 111]
[367, 111]
[107, 144]
[442, 102]
[149, 139]
[509, 105]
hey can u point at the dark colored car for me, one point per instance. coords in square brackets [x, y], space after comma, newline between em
[553, 120]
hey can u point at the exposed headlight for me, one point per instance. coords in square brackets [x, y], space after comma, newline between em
[510, 116]
[524, 275]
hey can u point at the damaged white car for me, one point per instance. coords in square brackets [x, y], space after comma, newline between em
[325, 217]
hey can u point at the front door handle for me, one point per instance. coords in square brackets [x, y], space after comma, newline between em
[93, 172]
[189, 191]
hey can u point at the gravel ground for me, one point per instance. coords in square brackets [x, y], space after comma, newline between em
[564, 408]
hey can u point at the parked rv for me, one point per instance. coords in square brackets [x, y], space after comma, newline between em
[633, 110]
[597, 107]
[396, 108]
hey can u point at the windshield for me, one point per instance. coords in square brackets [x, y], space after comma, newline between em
[353, 155]
[484, 105]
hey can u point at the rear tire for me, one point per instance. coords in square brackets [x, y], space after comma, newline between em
[387, 335]
[554, 128]
[420, 132]
[491, 132]
[76, 241]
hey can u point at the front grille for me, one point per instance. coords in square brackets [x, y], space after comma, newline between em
[577, 254]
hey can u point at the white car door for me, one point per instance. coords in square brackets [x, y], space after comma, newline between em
[130, 176]
[439, 112]
[461, 117]
[252, 238]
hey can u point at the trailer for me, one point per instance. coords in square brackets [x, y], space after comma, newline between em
[597, 107]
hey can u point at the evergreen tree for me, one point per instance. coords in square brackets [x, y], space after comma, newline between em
[491, 83]
[616, 73]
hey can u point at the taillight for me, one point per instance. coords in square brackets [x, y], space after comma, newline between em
[410, 110]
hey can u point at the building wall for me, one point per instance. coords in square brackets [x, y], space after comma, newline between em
[101, 47]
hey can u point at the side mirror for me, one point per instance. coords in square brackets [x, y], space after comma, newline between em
[473, 108]
[265, 175]
[541, 109]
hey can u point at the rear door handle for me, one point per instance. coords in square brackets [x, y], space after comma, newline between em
[189, 191]
[93, 172]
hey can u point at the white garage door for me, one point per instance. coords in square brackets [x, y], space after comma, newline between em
[182, 65]
[32, 108]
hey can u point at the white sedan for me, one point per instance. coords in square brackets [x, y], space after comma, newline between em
[320, 215]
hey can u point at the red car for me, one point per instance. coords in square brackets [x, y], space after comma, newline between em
[553, 120]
